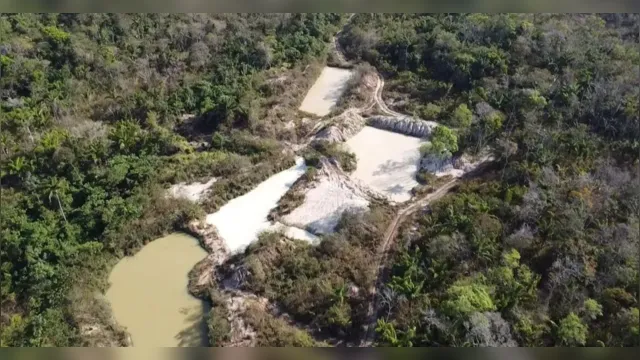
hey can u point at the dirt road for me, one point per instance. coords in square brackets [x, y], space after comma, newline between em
[378, 97]
[382, 254]
[336, 45]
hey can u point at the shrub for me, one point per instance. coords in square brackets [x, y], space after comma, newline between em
[462, 117]
[276, 332]
[430, 112]
[571, 331]
[443, 143]
[219, 328]
[467, 297]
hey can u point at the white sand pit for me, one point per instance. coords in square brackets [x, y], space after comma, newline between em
[387, 161]
[332, 194]
[455, 167]
[326, 91]
[241, 220]
[294, 232]
[441, 167]
[193, 192]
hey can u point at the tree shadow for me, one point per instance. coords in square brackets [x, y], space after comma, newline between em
[391, 166]
[396, 189]
[327, 223]
[334, 95]
[195, 332]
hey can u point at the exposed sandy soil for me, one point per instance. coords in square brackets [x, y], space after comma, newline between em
[294, 232]
[330, 195]
[242, 334]
[241, 220]
[440, 167]
[340, 128]
[194, 191]
[326, 91]
[387, 161]
[455, 167]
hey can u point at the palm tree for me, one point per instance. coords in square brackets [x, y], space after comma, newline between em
[125, 134]
[339, 294]
[17, 165]
[54, 187]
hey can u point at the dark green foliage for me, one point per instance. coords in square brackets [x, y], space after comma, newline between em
[533, 255]
[323, 286]
[333, 151]
[99, 112]
[218, 326]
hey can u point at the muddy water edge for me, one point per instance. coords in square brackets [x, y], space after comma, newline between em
[149, 294]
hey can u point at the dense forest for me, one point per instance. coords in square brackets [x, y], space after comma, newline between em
[99, 112]
[542, 251]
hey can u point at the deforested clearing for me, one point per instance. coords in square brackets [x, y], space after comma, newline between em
[326, 91]
[241, 220]
[455, 167]
[387, 161]
[294, 232]
[192, 192]
[331, 194]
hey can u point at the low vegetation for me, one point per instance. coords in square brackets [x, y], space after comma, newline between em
[295, 196]
[323, 287]
[99, 113]
[334, 151]
[543, 252]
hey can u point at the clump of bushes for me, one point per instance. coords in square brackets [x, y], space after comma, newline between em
[294, 197]
[273, 331]
[320, 286]
[443, 143]
[218, 326]
[335, 151]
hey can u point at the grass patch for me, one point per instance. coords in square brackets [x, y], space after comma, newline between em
[294, 197]
[244, 181]
[335, 151]
[273, 331]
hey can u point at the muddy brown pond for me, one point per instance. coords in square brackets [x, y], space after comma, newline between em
[149, 295]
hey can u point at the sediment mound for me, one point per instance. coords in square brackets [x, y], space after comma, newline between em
[193, 192]
[403, 125]
[202, 275]
[332, 193]
[341, 127]
[454, 166]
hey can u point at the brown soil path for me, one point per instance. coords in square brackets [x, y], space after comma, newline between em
[383, 252]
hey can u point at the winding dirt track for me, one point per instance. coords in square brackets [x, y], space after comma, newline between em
[382, 254]
[383, 251]
[336, 45]
[378, 98]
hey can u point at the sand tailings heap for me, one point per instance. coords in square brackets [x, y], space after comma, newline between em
[404, 125]
[330, 194]
[341, 128]
[326, 91]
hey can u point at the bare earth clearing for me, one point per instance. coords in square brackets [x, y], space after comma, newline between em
[329, 197]
[387, 161]
[241, 220]
[326, 91]
[193, 192]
